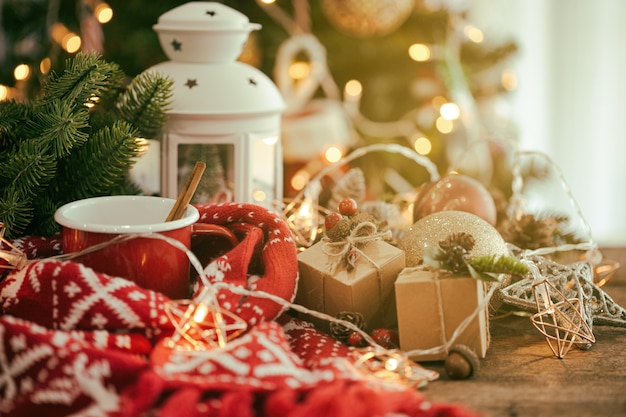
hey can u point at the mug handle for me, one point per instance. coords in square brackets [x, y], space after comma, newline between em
[209, 229]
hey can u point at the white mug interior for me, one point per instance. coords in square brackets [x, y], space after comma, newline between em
[123, 214]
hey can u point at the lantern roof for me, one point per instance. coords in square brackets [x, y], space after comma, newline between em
[204, 16]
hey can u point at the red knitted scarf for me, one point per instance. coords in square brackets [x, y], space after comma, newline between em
[77, 342]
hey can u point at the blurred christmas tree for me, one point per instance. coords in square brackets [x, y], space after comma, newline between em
[409, 72]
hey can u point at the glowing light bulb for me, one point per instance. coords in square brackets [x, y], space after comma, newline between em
[444, 125]
[353, 88]
[450, 111]
[71, 42]
[259, 195]
[419, 52]
[299, 70]
[268, 1]
[299, 180]
[200, 313]
[423, 146]
[45, 65]
[103, 12]
[473, 33]
[4, 92]
[21, 72]
[333, 154]
[391, 364]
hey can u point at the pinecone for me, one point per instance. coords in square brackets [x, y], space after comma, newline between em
[341, 332]
[529, 232]
[454, 251]
[340, 231]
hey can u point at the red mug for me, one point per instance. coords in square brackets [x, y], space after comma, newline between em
[151, 263]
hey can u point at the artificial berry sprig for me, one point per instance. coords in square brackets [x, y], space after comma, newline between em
[339, 225]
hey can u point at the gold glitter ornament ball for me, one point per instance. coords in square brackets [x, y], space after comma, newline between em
[427, 232]
[365, 18]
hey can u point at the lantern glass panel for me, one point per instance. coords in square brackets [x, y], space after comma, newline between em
[217, 181]
[264, 174]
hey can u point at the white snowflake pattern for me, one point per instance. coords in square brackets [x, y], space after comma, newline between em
[242, 352]
[217, 268]
[18, 343]
[99, 321]
[72, 289]
[137, 296]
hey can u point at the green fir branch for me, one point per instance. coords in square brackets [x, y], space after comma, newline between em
[489, 267]
[16, 212]
[86, 77]
[28, 169]
[145, 102]
[61, 126]
[102, 163]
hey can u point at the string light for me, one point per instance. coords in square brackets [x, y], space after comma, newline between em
[299, 70]
[300, 179]
[444, 125]
[259, 195]
[21, 72]
[333, 154]
[45, 65]
[103, 12]
[4, 92]
[419, 52]
[353, 88]
[450, 111]
[423, 145]
[473, 33]
[71, 42]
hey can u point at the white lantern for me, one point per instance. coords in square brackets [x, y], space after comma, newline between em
[224, 111]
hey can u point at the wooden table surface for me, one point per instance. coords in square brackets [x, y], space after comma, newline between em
[521, 377]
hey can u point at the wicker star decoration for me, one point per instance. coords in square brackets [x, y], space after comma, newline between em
[574, 280]
[15, 258]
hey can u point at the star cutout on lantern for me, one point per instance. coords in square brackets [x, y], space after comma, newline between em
[211, 13]
[191, 82]
[252, 81]
[176, 45]
[574, 281]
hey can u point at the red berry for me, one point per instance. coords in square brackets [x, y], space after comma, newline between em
[331, 220]
[355, 339]
[348, 207]
[387, 338]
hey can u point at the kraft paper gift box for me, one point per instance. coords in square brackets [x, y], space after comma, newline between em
[368, 288]
[432, 304]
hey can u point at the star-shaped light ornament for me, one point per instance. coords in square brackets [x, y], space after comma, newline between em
[201, 324]
[177, 45]
[566, 296]
[15, 258]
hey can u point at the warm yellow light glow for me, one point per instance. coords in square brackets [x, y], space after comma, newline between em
[71, 42]
[259, 195]
[21, 72]
[333, 154]
[423, 146]
[142, 144]
[45, 65]
[270, 140]
[439, 101]
[473, 33]
[419, 52]
[450, 111]
[200, 313]
[103, 12]
[58, 32]
[268, 1]
[299, 70]
[509, 80]
[354, 88]
[4, 92]
[444, 125]
[391, 364]
[300, 179]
